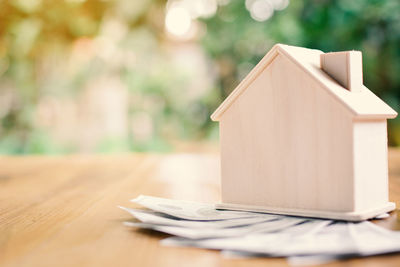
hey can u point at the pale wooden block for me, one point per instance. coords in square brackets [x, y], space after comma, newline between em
[345, 67]
[288, 151]
[370, 164]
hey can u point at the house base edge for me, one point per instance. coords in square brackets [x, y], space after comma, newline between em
[354, 216]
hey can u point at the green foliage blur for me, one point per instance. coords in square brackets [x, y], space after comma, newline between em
[237, 42]
[104, 76]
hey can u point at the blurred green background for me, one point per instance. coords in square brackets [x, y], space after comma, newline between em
[141, 75]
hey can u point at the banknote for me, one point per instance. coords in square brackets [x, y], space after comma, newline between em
[336, 240]
[371, 239]
[205, 233]
[248, 234]
[157, 218]
[190, 210]
[364, 239]
[302, 260]
[310, 260]
[263, 239]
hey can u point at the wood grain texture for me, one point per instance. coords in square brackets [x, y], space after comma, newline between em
[61, 211]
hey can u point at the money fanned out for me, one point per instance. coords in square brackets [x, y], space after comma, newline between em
[249, 234]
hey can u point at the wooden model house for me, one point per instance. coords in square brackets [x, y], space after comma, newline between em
[302, 135]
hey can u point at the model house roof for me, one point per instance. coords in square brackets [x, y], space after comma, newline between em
[361, 103]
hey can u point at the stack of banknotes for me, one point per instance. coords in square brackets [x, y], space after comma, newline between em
[259, 234]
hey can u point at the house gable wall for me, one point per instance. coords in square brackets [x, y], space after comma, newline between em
[287, 143]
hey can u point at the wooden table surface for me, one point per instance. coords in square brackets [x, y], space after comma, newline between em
[62, 211]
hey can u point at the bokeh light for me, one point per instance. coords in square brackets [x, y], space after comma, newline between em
[178, 21]
[101, 76]
[261, 10]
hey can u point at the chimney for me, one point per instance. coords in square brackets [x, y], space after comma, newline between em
[345, 67]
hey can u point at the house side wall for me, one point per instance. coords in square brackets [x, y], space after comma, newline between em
[285, 142]
[370, 164]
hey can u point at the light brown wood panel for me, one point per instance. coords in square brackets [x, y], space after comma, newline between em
[295, 144]
[61, 211]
